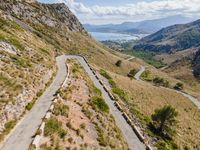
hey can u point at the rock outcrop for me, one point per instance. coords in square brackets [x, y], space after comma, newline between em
[8, 48]
[52, 15]
[26, 62]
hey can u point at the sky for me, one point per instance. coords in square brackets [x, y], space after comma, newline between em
[118, 11]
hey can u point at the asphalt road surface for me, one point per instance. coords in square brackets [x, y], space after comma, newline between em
[194, 100]
[129, 59]
[22, 135]
[139, 73]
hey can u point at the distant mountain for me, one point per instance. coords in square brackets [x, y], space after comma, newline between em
[172, 39]
[112, 28]
[147, 26]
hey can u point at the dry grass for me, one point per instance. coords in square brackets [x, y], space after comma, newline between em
[146, 98]
[88, 126]
[170, 58]
[183, 72]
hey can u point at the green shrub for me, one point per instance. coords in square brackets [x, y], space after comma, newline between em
[164, 120]
[53, 126]
[186, 147]
[178, 86]
[166, 145]
[100, 104]
[96, 91]
[146, 75]
[87, 112]
[132, 73]
[24, 62]
[82, 126]
[120, 93]
[62, 133]
[118, 63]
[39, 93]
[16, 43]
[75, 68]
[29, 106]
[160, 82]
[60, 109]
[105, 74]
[162, 145]
[10, 24]
[9, 125]
[112, 83]
[9, 83]
[102, 139]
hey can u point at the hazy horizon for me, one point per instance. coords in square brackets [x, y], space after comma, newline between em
[119, 11]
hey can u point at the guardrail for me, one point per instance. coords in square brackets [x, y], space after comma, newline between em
[118, 106]
[126, 117]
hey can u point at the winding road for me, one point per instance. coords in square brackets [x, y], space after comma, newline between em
[22, 135]
[139, 73]
[131, 58]
[190, 97]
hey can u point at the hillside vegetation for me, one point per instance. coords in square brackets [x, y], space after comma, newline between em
[29, 42]
[33, 34]
[172, 39]
[196, 64]
[174, 44]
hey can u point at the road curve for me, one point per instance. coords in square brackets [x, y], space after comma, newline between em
[129, 59]
[139, 73]
[22, 135]
[194, 100]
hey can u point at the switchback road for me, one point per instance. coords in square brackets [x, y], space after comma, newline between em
[22, 135]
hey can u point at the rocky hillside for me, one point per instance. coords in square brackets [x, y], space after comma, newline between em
[172, 39]
[196, 64]
[31, 35]
[52, 15]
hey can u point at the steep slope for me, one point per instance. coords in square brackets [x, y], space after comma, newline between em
[175, 45]
[27, 62]
[29, 43]
[196, 64]
[52, 15]
[172, 39]
[31, 35]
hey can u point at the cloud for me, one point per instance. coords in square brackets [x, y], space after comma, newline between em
[156, 8]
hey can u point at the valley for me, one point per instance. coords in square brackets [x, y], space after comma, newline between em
[112, 92]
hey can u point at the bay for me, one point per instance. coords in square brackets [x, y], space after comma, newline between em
[100, 36]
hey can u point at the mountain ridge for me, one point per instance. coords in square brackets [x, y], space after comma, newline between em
[55, 15]
[172, 38]
[146, 26]
[181, 40]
